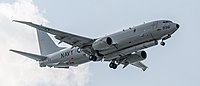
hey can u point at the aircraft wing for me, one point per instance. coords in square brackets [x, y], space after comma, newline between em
[140, 65]
[74, 40]
[32, 56]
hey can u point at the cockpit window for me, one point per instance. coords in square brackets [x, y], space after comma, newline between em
[167, 22]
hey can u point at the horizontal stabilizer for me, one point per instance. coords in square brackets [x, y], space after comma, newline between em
[140, 65]
[29, 55]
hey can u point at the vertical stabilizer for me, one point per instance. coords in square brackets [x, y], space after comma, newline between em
[46, 44]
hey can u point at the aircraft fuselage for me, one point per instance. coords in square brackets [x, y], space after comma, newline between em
[123, 43]
[135, 38]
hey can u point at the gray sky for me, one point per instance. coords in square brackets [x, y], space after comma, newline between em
[176, 64]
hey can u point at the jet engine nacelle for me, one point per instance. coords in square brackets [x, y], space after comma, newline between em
[138, 56]
[102, 43]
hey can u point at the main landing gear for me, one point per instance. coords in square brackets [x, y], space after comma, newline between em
[96, 57]
[162, 43]
[113, 65]
[92, 58]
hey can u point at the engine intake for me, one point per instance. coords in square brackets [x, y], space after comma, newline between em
[102, 43]
[109, 41]
[143, 54]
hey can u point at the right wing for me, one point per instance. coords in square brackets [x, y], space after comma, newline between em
[74, 40]
[140, 65]
[32, 56]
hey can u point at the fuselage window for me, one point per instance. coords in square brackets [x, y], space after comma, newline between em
[49, 59]
[166, 27]
[158, 29]
[167, 22]
[134, 30]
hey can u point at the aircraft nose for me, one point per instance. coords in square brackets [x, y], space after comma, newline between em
[177, 26]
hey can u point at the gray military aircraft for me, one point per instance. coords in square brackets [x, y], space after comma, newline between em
[124, 47]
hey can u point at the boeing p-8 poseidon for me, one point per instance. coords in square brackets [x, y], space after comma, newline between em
[124, 47]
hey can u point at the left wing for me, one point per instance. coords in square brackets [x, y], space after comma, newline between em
[74, 40]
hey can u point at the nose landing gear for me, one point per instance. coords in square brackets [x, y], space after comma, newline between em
[165, 38]
[162, 43]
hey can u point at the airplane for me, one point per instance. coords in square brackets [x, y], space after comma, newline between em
[124, 47]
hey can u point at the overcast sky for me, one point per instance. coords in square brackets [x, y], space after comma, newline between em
[176, 64]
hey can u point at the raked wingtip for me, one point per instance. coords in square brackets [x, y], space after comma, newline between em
[14, 20]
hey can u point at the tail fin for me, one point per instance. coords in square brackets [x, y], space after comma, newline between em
[46, 44]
